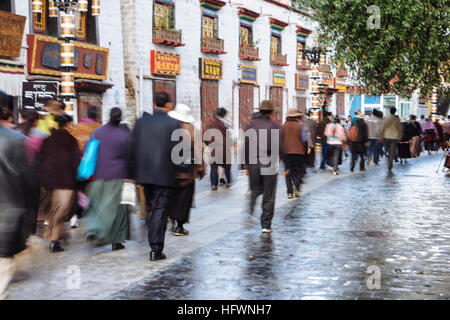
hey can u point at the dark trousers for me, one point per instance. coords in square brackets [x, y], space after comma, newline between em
[311, 158]
[295, 164]
[391, 147]
[160, 198]
[324, 155]
[215, 176]
[267, 186]
[335, 154]
[374, 150]
[356, 152]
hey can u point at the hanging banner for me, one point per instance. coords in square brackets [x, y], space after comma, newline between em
[165, 63]
[279, 78]
[340, 84]
[301, 81]
[249, 74]
[211, 69]
[11, 32]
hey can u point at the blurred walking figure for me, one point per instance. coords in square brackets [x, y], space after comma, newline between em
[82, 132]
[18, 200]
[154, 169]
[323, 139]
[6, 111]
[415, 131]
[311, 129]
[358, 141]
[261, 182]
[391, 133]
[295, 146]
[224, 142]
[58, 170]
[106, 219]
[404, 143]
[430, 135]
[54, 108]
[446, 129]
[181, 204]
[35, 137]
[336, 138]
[373, 131]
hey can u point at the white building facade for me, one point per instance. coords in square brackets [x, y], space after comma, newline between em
[210, 53]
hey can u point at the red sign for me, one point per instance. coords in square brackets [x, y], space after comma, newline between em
[165, 63]
[44, 57]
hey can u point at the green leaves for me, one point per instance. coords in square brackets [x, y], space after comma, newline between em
[411, 45]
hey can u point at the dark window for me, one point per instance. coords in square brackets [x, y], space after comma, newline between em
[5, 5]
[91, 27]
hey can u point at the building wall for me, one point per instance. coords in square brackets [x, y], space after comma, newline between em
[110, 36]
[188, 19]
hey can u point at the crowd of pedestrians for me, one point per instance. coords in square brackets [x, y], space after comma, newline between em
[40, 161]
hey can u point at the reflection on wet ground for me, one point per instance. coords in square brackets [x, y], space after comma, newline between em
[323, 244]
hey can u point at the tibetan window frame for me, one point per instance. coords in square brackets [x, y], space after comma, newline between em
[171, 17]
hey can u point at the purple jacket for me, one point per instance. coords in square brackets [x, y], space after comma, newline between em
[113, 152]
[429, 125]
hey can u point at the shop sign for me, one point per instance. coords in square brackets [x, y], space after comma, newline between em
[44, 57]
[327, 79]
[11, 32]
[279, 78]
[211, 69]
[340, 84]
[325, 68]
[249, 74]
[301, 81]
[35, 94]
[165, 63]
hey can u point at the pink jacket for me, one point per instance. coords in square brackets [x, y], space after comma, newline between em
[335, 133]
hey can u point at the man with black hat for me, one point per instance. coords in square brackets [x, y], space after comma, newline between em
[261, 161]
[295, 146]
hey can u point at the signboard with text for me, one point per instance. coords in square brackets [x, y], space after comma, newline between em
[279, 78]
[165, 63]
[301, 81]
[35, 94]
[211, 69]
[249, 74]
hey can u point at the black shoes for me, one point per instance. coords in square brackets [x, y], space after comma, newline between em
[55, 246]
[117, 246]
[157, 255]
[180, 231]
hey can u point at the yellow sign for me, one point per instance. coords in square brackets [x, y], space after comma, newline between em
[165, 63]
[279, 78]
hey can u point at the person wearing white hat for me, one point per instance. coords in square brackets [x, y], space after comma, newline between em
[180, 206]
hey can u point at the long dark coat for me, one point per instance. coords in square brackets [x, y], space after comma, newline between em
[60, 158]
[151, 148]
[19, 195]
[225, 143]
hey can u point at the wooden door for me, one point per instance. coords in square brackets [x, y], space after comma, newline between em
[168, 86]
[245, 104]
[276, 97]
[209, 101]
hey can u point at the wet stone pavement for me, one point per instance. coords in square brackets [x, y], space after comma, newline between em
[324, 243]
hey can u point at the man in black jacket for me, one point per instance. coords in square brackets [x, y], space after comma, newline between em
[18, 199]
[153, 168]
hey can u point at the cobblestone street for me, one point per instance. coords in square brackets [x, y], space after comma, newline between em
[322, 245]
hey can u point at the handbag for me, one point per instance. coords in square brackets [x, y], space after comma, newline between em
[87, 166]
[128, 195]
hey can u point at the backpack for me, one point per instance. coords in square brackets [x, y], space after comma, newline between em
[353, 134]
